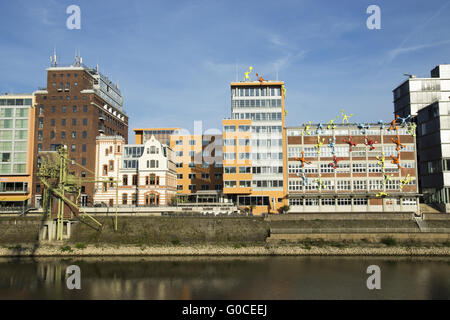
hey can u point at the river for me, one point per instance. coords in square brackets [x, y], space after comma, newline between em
[226, 278]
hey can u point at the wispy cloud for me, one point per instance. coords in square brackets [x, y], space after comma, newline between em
[392, 54]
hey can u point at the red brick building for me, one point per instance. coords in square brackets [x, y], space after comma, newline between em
[77, 105]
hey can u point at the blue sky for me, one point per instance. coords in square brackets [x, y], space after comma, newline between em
[174, 60]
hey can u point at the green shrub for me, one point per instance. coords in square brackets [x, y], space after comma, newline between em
[66, 249]
[389, 241]
[80, 245]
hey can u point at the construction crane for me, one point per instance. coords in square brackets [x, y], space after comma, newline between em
[65, 188]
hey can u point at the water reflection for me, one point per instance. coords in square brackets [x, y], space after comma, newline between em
[226, 278]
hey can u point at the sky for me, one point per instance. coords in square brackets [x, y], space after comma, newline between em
[174, 60]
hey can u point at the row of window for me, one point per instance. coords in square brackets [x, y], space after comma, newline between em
[268, 103]
[344, 151]
[15, 102]
[345, 132]
[255, 92]
[345, 202]
[193, 165]
[63, 135]
[193, 187]
[259, 116]
[256, 129]
[254, 156]
[63, 109]
[327, 184]
[254, 170]
[254, 142]
[203, 175]
[254, 183]
[63, 122]
[9, 113]
[345, 167]
[18, 123]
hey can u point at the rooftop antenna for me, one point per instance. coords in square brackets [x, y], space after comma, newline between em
[53, 60]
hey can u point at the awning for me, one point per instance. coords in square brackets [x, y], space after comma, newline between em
[14, 198]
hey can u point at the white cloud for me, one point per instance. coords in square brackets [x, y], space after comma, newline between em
[392, 54]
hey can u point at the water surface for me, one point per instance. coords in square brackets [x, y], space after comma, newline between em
[226, 278]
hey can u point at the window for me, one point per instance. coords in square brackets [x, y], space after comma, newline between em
[74, 134]
[179, 176]
[85, 108]
[229, 128]
[375, 167]
[84, 121]
[179, 153]
[84, 134]
[360, 201]
[358, 167]
[229, 169]
[229, 142]
[191, 153]
[135, 180]
[125, 180]
[229, 156]
[192, 142]
[111, 165]
[343, 185]
[245, 184]
[244, 128]
[124, 198]
[192, 187]
[63, 134]
[344, 202]
[63, 109]
[83, 174]
[74, 122]
[326, 168]
[359, 185]
[191, 176]
[229, 184]
[245, 169]
[83, 161]
[74, 109]
[52, 134]
[105, 170]
[244, 142]
[375, 184]
[73, 148]
[178, 142]
[205, 175]
[83, 148]
[328, 202]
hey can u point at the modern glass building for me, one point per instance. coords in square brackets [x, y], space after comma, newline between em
[16, 149]
[253, 144]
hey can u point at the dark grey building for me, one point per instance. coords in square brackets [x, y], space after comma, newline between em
[433, 141]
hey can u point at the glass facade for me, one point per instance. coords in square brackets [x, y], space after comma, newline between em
[14, 115]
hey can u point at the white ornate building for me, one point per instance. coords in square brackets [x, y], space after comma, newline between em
[145, 173]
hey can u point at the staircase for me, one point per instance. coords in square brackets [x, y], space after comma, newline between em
[421, 223]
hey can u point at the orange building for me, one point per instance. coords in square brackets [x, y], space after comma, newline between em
[16, 149]
[161, 134]
[198, 160]
[254, 161]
